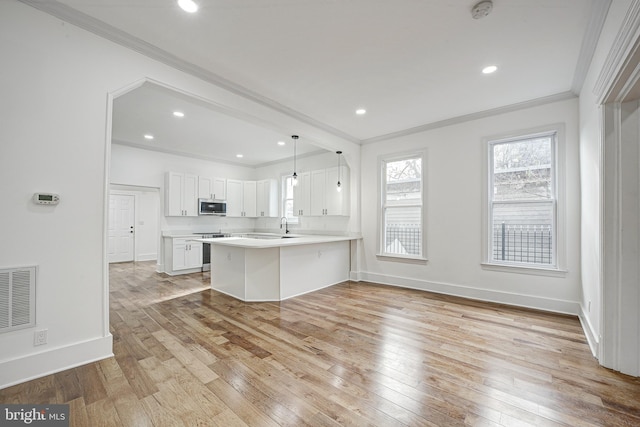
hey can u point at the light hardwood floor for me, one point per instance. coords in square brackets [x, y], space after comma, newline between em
[355, 354]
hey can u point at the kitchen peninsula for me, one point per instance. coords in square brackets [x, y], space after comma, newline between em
[270, 267]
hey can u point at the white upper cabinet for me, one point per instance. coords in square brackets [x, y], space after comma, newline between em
[318, 188]
[235, 203]
[325, 198]
[337, 202]
[241, 198]
[302, 195]
[181, 192]
[212, 188]
[267, 198]
[249, 198]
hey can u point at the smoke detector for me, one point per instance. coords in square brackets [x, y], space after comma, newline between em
[482, 9]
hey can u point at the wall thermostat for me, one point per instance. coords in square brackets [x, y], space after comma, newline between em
[46, 199]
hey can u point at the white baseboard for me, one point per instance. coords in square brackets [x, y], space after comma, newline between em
[48, 362]
[589, 332]
[186, 271]
[528, 301]
[147, 257]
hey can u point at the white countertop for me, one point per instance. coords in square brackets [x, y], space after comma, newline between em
[268, 240]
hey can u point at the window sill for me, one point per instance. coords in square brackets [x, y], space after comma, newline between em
[525, 269]
[402, 258]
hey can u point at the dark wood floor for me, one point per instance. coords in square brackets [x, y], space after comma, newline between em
[355, 354]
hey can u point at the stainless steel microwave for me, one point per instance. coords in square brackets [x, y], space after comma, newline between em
[212, 207]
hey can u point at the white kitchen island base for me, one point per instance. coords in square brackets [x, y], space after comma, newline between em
[275, 273]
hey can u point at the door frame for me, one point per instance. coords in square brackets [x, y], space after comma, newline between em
[617, 85]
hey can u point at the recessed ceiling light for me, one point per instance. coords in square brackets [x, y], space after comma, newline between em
[178, 113]
[361, 111]
[148, 136]
[490, 69]
[188, 5]
[281, 143]
[239, 156]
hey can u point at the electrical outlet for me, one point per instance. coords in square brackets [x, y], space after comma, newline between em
[40, 337]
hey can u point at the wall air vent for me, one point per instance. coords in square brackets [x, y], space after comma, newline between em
[17, 298]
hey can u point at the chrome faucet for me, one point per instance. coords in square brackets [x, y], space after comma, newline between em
[286, 225]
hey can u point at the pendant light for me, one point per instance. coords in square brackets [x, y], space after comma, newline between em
[339, 186]
[295, 175]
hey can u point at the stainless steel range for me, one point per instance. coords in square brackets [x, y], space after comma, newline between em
[206, 249]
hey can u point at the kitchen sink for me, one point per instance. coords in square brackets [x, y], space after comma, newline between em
[267, 236]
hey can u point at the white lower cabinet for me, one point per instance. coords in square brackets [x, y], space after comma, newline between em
[187, 254]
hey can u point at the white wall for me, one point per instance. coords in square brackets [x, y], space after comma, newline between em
[56, 81]
[590, 178]
[454, 182]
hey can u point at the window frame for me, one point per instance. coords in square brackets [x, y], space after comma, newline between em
[558, 201]
[283, 199]
[382, 162]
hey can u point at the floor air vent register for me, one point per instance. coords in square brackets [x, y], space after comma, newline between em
[17, 298]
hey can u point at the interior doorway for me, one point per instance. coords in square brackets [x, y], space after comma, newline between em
[620, 319]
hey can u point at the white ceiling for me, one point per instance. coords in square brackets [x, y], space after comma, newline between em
[410, 63]
[204, 132]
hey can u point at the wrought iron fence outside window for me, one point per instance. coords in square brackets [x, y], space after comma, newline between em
[523, 243]
[403, 239]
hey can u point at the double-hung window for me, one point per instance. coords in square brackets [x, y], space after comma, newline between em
[523, 202]
[402, 206]
[287, 199]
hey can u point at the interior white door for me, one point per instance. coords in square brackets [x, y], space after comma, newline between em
[121, 227]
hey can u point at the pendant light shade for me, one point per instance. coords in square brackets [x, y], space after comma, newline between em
[295, 175]
[339, 185]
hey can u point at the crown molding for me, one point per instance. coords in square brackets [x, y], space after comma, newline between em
[599, 10]
[621, 50]
[474, 116]
[109, 32]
